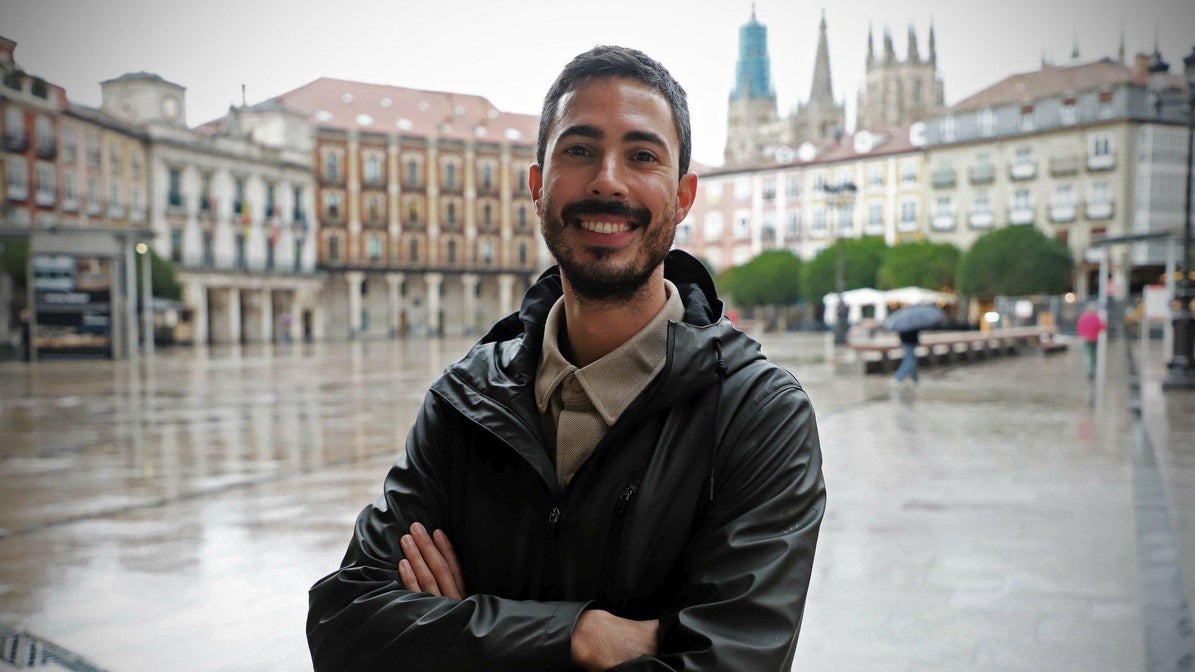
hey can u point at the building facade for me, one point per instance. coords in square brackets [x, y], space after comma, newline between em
[870, 183]
[426, 220]
[1075, 150]
[896, 92]
[230, 203]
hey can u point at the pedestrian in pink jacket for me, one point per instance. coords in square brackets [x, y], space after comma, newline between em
[1089, 327]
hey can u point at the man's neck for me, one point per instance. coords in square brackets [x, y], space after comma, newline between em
[596, 328]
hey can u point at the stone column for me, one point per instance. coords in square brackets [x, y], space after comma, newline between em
[267, 315]
[352, 173]
[354, 279]
[433, 282]
[506, 283]
[395, 280]
[234, 315]
[469, 280]
[197, 300]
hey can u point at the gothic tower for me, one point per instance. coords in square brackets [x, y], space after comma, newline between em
[751, 117]
[895, 92]
[821, 116]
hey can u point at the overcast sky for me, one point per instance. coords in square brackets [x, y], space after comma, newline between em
[511, 52]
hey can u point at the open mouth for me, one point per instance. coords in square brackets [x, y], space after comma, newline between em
[605, 227]
[605, 217]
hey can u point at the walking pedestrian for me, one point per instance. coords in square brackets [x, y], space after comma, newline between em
[909, 340]
[1089, 327]
[613, 474]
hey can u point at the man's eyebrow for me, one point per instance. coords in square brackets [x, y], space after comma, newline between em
[644, 136]
[585, 131]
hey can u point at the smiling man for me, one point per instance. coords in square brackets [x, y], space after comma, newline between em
[613, 476]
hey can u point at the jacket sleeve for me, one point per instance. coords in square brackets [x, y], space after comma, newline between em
[360, 618]
[748, 564]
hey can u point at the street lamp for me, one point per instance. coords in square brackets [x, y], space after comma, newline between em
[1181, 369]
[840, 195]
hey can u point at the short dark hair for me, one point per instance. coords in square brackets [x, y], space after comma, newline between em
[611, 61]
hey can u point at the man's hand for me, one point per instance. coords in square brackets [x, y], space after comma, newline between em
[430, 565]
[602, 640]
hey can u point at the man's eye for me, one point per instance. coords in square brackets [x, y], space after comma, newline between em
[643, 156]
[577, 150]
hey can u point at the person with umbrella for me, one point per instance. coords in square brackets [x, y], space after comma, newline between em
[908, 323]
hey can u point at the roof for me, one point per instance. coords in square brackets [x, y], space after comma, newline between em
[1052, 80]
[139, 76]
[863, 144]
[381, 108]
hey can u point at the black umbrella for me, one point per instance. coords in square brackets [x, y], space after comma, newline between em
[921, 316]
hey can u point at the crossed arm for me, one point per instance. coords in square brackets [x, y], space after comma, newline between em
[600, 639]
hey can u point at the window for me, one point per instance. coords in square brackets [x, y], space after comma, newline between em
[412, 173]
[115, 201]
[794, 185]
[205, 196]
[1024, 155]
[875, 175]
[334, 248]
[1100, 154]
[93, 151]
[487, 214]
[331, 165]
[93, 195]
[487, 252]
[684, 232]
[412, 213]
[742, 188]
[1068, 114]
[450, 213]
[69, 147]
[875, 219]
[943, 219]
[522, 216]
[792, 230]
[271, 206]
[44, 134]
[16, 177]
[742, 224]
[819, 222]
[451, 249]
[374, 208]
[114, 158]
[297, 204]
[908, 215]
[209, 253]
[238, 201]
[819, 182]
[450, 175]
[948, 129]
[241, 260]
[176, 245]
[413, 249]
[487, 176]
[1027, 123]
[1099, 192]
[14, 124]
[769, 188]
[373, 168]
[987, 122]
[522, 253]
[908, 171]
[768, 228]
[135, 163]
[373, 247]
[1020, 199]
[69, 191]
[713, 226]
[332, 204]
[1064, 194]
[174, 197]
[522, 180]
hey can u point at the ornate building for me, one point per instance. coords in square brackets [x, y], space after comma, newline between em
[426, 219]
[896, 92]
[821, 116]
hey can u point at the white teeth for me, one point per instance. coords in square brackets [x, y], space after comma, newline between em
[605, 227]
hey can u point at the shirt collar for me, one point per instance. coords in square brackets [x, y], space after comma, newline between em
[613, 381]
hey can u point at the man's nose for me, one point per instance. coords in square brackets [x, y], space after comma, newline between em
[609, 181]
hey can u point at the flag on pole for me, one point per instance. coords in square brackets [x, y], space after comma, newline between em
[245, 221]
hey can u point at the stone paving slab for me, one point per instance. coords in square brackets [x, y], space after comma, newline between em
[173, 516]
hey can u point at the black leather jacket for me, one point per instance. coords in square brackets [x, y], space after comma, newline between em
[700, 507]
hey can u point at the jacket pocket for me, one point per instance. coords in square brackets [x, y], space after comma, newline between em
[612, 554]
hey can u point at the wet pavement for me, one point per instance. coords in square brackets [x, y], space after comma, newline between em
[171, 513]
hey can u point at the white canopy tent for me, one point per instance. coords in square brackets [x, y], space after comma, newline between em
[858, 299]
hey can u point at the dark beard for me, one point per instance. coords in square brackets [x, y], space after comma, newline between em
[596, 280]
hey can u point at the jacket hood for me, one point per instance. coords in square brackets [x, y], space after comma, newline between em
[504, 362]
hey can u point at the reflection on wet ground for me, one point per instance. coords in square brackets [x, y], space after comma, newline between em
[171, 513]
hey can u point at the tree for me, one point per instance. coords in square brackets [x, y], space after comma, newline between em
[862, 257]
[771, 279]
[1015, 261]
[919, 264]
[14, 255]
[164, 276]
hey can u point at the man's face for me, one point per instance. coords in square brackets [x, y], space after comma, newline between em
[608, 196]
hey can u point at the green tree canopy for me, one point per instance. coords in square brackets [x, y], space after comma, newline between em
[919, 264]
[164, 276]
[13, 258]
[771, 279]
[862, 256]
[1015, 261]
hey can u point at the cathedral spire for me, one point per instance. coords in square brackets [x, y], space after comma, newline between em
[889, 50]
[870, 46]
[753, 78]
[822, 91]
[1120, 50]
[912, 53]
[933, 50]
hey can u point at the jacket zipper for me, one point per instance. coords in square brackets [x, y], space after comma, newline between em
[618, 526]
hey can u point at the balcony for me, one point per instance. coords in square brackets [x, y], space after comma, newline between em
[1062, 166]
[1061, 213]
[332, 179]
[16, 142]
[1097, 162]
[44, 198]
[943, 221]
[175, 204]
[1022, 170]
[982, 173]
[1020, 215]
[944, 178]
[1098, 210]
[69, 204]
[981, 219]
[94, 208]
[46, 150]
[115, 211]
[137, 214]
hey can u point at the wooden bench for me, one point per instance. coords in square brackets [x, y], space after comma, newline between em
[883, 354]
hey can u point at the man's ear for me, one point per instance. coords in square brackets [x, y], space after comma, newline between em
[535, 180]
[686, 193]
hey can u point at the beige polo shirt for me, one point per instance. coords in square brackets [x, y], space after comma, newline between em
[578, 405]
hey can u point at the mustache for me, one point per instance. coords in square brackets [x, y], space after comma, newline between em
[595, 206]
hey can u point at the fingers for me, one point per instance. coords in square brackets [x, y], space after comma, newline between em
[431, 564]
[454, 566]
